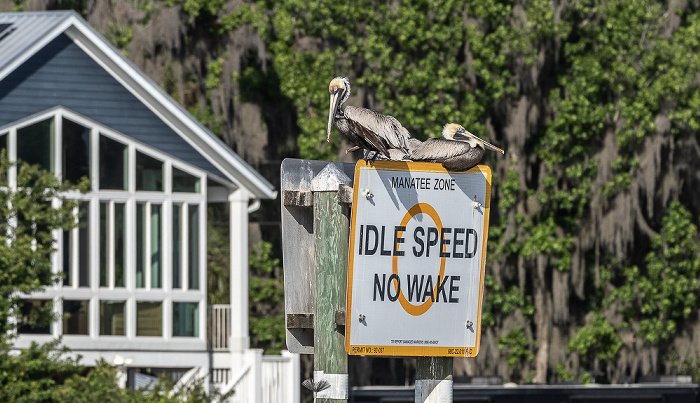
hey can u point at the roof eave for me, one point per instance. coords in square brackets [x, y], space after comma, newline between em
[238, 172]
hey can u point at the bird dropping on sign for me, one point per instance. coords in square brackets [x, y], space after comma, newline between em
[417, 256]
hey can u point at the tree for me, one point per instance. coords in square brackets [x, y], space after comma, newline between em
[596, 103]
[31, 209]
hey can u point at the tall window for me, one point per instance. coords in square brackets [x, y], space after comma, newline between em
[177, 246]
[113, 164]
[75, 317]
[149, 173]
[35, 144]
[186, 319]
[193, 248]
[112, 318]
[76, 250]
[149, 244]
[149, 318]
[75, 151]
[112, 244]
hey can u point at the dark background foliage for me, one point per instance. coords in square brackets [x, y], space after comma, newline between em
[593, 256]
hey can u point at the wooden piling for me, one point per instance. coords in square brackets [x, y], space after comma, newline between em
[331, 231]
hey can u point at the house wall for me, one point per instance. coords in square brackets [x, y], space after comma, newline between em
[63, 74]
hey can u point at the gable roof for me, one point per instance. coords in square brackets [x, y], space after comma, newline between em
[31, 32]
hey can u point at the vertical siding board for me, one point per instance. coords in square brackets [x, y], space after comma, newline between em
[62, 74]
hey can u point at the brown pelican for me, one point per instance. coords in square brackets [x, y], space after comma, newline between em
[458, 151]
[395, 154]
[364, 128]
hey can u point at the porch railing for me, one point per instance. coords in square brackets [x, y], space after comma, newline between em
[219, 327]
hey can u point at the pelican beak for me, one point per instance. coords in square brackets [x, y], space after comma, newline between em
[335, 95]
[493, 147]
[463, 134]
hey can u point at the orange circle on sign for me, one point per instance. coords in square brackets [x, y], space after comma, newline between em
[417, 310]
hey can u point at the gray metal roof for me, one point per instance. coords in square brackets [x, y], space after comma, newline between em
[30, 32]
[27, 30]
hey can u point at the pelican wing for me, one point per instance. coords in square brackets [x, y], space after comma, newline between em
[438, 150]
[384, 127]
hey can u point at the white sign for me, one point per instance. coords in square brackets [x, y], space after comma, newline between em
[417, 255]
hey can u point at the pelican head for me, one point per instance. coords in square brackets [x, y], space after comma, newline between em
[453, 131]
[339, 89]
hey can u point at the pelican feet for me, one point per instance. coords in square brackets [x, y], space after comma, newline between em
[371, 157]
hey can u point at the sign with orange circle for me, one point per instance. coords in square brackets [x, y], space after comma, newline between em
[417, 256]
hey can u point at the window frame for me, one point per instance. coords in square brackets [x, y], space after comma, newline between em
[166, 198]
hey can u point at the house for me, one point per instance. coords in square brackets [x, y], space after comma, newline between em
[134, 289]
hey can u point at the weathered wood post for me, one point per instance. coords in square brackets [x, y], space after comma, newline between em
[331, 231]
[434, 379]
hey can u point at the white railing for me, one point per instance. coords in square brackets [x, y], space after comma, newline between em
[219, 327]
[239, 386]
[186, 380]
[280, 378]
[264, 379]
[250, 375]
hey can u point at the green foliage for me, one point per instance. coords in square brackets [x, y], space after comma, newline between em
[45, 373]
[684, 365]
[666, 290]
[410, 57]
[218, 258]
[517, 347]
[214, 72]
[26, 241]
[198, 9]
[119, 35]
[563, 373]
[500, 302]
[208, 118]
[36, 373]
[266, 295]
[599, 340]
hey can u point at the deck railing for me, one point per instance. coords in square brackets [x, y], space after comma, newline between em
[260, 378]
[219, 327]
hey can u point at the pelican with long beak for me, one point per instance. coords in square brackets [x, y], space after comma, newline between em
[459, 150]
[364, 128]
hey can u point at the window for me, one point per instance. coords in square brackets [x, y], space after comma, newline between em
[149, 244]
[193, 249]
[35, 144]
[112, 318]
[149, 319]
[177, 246]
[76, 250]
[112, 244]
[84, 245]
[3, 143]
[113, 164]
[76, 151]
[35, 316]
[184, 182]
[75, 317]
[149, 173]
[186, 319]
